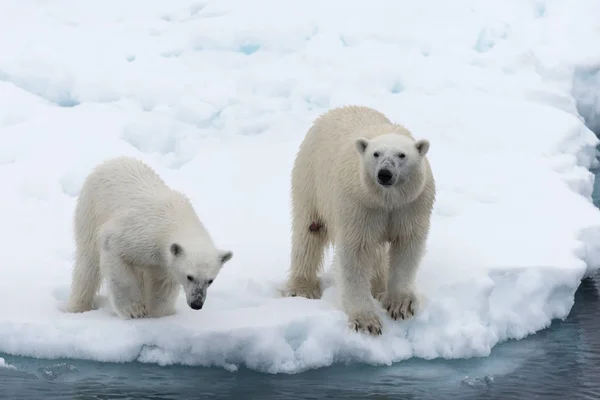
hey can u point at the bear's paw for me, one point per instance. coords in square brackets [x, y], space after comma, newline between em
[305, 288]
[402, 305]
[367, 323]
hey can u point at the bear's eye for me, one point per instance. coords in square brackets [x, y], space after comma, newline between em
[376, 154]
[401, 155]
[210, 281]
[190, 278]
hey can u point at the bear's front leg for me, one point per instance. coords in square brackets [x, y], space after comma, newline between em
[401, 299]
[161, 292]
[124, 286]
[354, 265]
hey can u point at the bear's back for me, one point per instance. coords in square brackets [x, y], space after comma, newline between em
[122, 183]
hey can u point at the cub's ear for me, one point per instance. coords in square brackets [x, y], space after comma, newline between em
[225, 255]
[422, 146]
[361, 145]
[176, 250]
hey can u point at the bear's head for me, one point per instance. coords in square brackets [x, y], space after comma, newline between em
[392, 159]
[196, 267]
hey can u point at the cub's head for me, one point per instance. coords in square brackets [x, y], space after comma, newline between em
[391, 159]
[196, 270]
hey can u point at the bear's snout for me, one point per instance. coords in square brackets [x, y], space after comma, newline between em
[384, 177]
[197, 304]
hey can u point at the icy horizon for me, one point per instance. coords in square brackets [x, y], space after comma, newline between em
[501, 89]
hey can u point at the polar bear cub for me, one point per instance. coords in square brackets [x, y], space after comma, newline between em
[365, 185]
[144, 239]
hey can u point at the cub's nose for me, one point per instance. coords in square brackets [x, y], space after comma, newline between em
[197, 304]
[384, 177]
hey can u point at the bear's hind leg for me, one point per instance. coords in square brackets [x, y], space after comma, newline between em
[380, 273]
[309, 239]
[86, 280]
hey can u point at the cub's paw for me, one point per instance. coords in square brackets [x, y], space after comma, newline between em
[401, 305]
[304, 288]
[367, 322]
[133, 311]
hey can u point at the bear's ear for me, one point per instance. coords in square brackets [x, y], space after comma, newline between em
[225, 255]
[361, 145]
[176, 249]
[422, 146]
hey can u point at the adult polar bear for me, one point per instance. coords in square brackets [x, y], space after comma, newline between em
[365, 185]
[144, 238]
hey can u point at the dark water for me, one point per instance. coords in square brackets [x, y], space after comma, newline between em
[561, 362]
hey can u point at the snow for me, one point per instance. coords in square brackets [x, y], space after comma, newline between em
[5, 365]
[217, 95]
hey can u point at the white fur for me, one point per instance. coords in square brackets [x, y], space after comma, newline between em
[144, 238]
[334, 185]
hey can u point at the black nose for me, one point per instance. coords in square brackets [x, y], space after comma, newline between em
[384, 177]
[197, 304]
